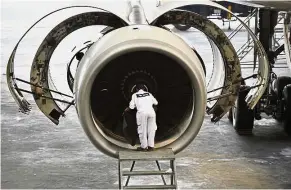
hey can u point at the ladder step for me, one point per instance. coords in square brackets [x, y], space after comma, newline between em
[150, 187]
[163, 154]
[137, 173]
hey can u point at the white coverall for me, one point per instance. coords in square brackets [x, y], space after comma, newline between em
[145, 117]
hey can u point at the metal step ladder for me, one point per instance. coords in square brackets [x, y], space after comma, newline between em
[278, 35]
[150, 156]
[245, 49]
[248, 46]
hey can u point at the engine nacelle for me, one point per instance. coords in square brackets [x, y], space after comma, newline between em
[145, 54]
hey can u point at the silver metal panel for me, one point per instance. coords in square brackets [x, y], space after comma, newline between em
[230, 63]
[39, 70]
[24, 106]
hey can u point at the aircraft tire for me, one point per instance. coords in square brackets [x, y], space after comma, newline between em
[182, 27]
[243, 117]
[279, 85]
[230, 116]
[287, 114]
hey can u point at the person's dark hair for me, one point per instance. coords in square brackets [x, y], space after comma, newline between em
[79, 56]
[140, 87]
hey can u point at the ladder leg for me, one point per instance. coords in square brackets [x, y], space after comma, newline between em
[131, 168]
[160, 170]
[172, 168]
[119, 174]
[175, 172]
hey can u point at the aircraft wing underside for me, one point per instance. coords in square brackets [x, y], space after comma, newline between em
[279, 5]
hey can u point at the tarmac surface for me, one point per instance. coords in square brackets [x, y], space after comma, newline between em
[36, 154]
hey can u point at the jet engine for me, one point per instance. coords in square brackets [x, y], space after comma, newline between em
[137, 48]
[151, 56]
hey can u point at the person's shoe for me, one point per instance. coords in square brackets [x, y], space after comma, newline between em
[151, 148]
[141, 149]
[133, 142]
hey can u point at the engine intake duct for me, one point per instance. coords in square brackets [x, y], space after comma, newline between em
[164, 78]
[107, 75]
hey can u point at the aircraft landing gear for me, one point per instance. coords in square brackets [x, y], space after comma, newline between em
[276, 101]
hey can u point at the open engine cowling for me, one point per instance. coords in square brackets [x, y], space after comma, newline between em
[138, 48]
[146, 54]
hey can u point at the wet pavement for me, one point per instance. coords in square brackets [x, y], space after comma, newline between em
[37, 154]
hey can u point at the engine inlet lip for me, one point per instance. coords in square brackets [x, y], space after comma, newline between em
[108, 145]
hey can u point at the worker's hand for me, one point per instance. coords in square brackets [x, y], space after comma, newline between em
[155, 108]
[127, 109]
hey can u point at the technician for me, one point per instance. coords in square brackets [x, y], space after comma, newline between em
[145, 117]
